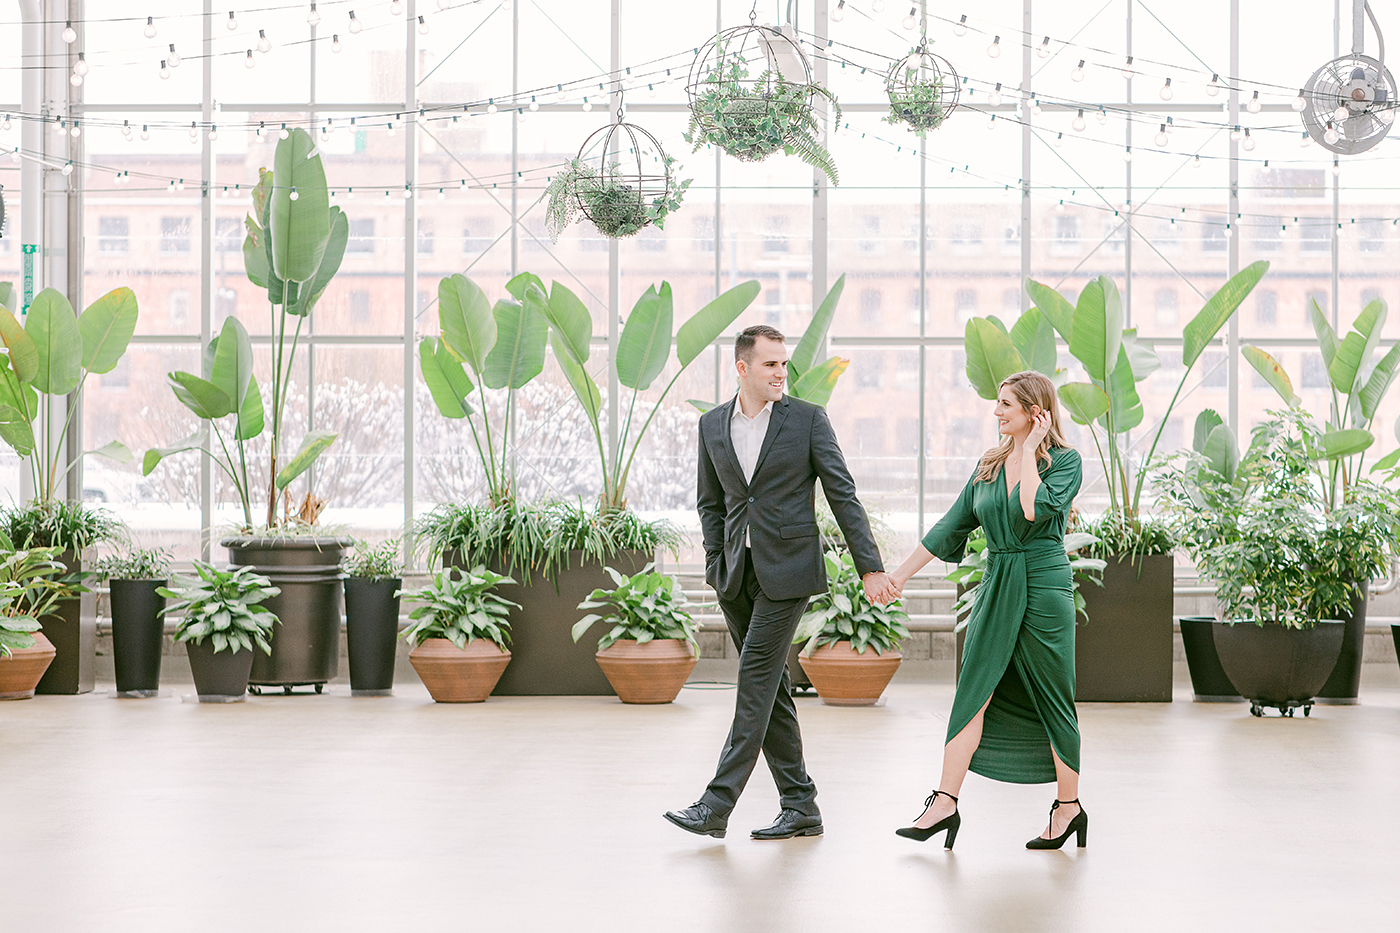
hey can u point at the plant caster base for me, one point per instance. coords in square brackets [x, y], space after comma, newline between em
[1285, 708]
[287, 689]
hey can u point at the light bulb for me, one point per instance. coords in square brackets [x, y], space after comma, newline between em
[58, 125]
[839, 13]
[534, 104]
[1161, 138]
[1127, 153]
[877, 6]
[164, 70]
[1304, 141]
[386, 196]
[261, 131]
[1336, 170]
[562, 96]
[329, 128]
[355, 24]
[1213, 87]
[69, 34]
[422, 26]
[1078, 124]
[960, 27]
[194, 132]
[80, 67]
[586, 106]
[1237, 134]
[1101, 116]
[491, 106]
[1196, 162]
[994, 98]
[1078, 73]
[145, 132]
[1254, 106]
[912, 20]
[1342, 113]
[263, 44]
[407, 192]
[1228, 232]
[68, 168]
[150, 30]
[174, 57]
[313, 18]
[1127, 70]
[335, 43]
[442, 195]
[1035, 106]
[213, 133]
[992, 123]
[1386, 116]
[1059, 140]
[171, 187]
[1044, 50]
[463, 185]
[232, 23]
[994, 50]
[76, 130]
[1166, 92]
[179, 184]
[520, 114]
[75, 79]
[294, 196]
[6, 125]
[349, 194]
[1248, 144]
[249, 61]
[284, 133]
[396, 7]
[1331, 136]
[1060, 208]
[860, 76]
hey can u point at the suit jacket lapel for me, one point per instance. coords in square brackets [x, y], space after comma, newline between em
[775, 423]
[726, 439]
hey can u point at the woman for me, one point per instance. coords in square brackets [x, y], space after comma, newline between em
[1013, 715]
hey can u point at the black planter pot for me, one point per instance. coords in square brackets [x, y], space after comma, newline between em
[219, 676]
[1343, 686]
[74, 668]
[1208, 681]
[306, 639]
[371, 634]
[1395, 637]
[544, 658]
[1273, 665]
[1123, 653]
[138, 631]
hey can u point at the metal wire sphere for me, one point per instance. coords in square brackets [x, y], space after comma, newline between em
[632, 173]
[907, 83]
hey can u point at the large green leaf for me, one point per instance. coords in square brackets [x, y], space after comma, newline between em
[276, 288]
[330, 264]
[1348, 365]
[232, 367]
[1343, 443]
[1125, 404]
[1222, 452]
[991, 356]
[1207, 421]
[522, 332]
[520, 284]
[572, 324]
[24, 355]
[645, 344]
[445, 378]
[155, 455]
[112, 450]
[701, 405]
[1086, 403]
[706, 325]
[1034, 338]
[1326, 337]
[804, 357]
[9, 298]
[1379, 381]
[312, 446]
[255, 262]
[107, 326]
[468, 326]
[817, 383]
[200, 396]
[1266, 366]
[300, 229]
[1057, 310]
[1098, 328]
[1141, 356]
[16, 430]
[18, 395]
[250, 413]
[1201, 329]
[54, 329]
[583, 385]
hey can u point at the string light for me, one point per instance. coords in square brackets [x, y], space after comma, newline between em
[75, 131]
[839, 13]
[1336, 169]
[335, 43]
[1127, 70]
[232, 23]
[284, 133]
[1035, 106]
[1298, 102]
[1304, 141]
[994, 50]
[1196, 162]
[1248, 144]
[1213, 87]
[422, 26]
[586, 105]
[491, 105]
[1078, 124]
[261, 131]
[1127, 153]
[145, 132]
[960, 27]
[1161, 139]
[313, 18]
[174, 57]
[877, 6]
[390, 128]
[992, 123]
[444, 4]
[463, 185]
[294, 196]
[1237, 134]
[69, 34]
[75, 79]
[194, 132]
[1101, 116]
[355, 24]
[534, 104]
[126, 127]
[520, 114]
[1343, 114]
[994, 98]
[6, 125]
[912, 19]
[263, 44]
[81, 66]
[164, 71]
[1078, 73]
[213, 133]
[1330, 136]
[1059, 140]
[179, 184]
[396, 7]
[68, 167]
[1044, 50]
[407, 192]
[442, 195]
[1166, 92]
[1254, 106]
[249, 61]
[150, 30]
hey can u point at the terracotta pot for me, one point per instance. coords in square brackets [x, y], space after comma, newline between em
[653, 672]
[20, 672]
[845, 678]
[457, 675]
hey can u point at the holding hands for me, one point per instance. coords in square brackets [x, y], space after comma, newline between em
[880, 588]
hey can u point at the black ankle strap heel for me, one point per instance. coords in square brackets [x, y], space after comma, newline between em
[1078, 826]
[950, 823]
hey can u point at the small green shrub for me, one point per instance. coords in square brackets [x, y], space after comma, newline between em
[460, 607]
[642, 607]
[222, 605]
[843, 613]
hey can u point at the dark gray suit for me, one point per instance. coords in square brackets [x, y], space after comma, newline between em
[763, 590]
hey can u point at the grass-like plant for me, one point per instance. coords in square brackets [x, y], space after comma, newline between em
[222, 605]
[70, 526]
[383, 561]
[32, 581]
[845, 613]
[645, 606]
[140, 564]
[460, 607]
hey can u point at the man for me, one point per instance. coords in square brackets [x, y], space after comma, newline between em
[760, 456]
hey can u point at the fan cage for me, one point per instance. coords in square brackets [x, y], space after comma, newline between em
[1362, 85]
[625, 186]
[906, 82]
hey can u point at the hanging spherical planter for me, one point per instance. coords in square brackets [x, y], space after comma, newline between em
[750, 116]
[621, 180]
[923, 90]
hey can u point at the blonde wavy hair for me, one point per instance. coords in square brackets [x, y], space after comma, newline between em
[1028, 388]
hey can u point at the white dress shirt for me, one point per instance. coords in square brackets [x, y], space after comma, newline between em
[747, 435]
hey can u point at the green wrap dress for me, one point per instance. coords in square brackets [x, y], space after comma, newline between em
[1019, 642]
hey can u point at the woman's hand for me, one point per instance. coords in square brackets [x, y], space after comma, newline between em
[1040, 427]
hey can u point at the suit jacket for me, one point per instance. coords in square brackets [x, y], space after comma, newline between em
[777, 507]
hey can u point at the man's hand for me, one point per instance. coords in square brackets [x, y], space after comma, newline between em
[879, 588]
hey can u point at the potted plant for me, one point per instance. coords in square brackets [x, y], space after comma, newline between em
[1356, 387]
[32, 581]
[1124, 652]
[618, 204]
[295, 243]
[922, 89]
[461, 634]
[650, 649]
[47, 360]
[838, 627]
[138, 625]
[373, 579]
[224, 617]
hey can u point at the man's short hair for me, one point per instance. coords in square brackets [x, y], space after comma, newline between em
[743, 344]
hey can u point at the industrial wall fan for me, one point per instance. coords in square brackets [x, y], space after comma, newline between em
[1350, 101]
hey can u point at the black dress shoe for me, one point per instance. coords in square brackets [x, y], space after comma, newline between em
[790, 823]
[698, 818]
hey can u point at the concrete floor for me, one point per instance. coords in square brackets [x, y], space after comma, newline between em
[396, 814]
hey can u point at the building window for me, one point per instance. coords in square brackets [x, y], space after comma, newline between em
[870, 301]
[868, 370]
[705, 234]
[112, 235]
[906, 370]
[1165, 306]
[1011, 302]
[1315, 235]
[1213, 238]
[228, 235]
[964, 305]
[175, 235]
[425, 237]
[1266, 308]
[1115, 235]
[870, 436]
[1372, 236]
[651, 240]
[179, 305]
[1011, 237]
[775, 234]
[965, 238]
[907, 437]
[225, 304]
[1067, 242]
[1266, 234]
[359, 307]
[361, 235]
[471, 243]
[1314, 372]
[869, 240]
[532, 234]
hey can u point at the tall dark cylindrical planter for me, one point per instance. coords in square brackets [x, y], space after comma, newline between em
[1343, 687]
[1273, 665]
[138, 631]
[306, 638]
[371, 634]
[1209, 684]
[74, 668]
[219, 676]
[1123, 652]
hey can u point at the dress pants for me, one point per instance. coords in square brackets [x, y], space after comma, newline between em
[765, 718]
